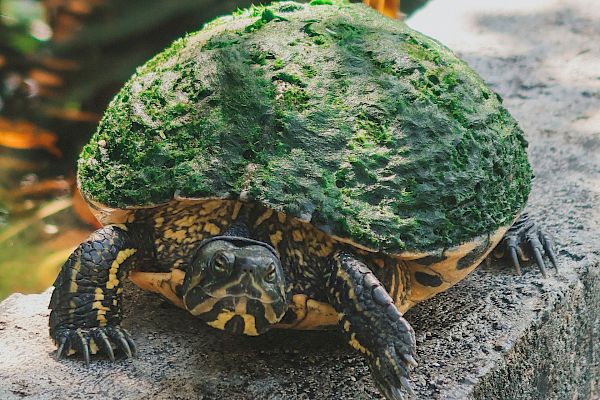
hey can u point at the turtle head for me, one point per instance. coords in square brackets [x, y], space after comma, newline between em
[236, 284]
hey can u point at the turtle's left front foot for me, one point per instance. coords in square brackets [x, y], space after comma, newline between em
[372, 324]
[526, 240]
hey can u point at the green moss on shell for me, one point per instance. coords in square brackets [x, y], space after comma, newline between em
[333, 113]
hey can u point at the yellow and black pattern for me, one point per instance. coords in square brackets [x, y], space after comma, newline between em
[180, 226]
[304, 250]
[371, 322]
[272, 271]
[435, 272]
[236, 284]
[86, 302]
[305, 253]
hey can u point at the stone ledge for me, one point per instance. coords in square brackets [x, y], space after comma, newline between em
[491, 336]
[557, 354]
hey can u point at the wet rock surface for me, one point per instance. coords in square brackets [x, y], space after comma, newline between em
[494, 335]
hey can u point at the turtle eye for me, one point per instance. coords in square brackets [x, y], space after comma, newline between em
[271, 273]
[220, 263]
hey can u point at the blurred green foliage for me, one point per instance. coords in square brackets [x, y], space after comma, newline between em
[20, 19]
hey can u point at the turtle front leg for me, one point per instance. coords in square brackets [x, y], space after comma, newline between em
[526, 240]
[86, 302]
[372, 323]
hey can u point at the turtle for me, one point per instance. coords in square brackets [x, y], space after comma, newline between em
[303, 166]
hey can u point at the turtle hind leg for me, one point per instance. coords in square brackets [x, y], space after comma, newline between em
[526, 240]
[85, 306]
[371, 323]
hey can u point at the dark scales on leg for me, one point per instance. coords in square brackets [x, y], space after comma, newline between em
[372, 323]
[86, 302]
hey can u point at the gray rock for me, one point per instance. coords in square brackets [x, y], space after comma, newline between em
[493, 336]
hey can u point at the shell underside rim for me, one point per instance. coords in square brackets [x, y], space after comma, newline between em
[100, 208]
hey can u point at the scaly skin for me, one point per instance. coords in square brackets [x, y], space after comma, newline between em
[86, 302]
[372, 323]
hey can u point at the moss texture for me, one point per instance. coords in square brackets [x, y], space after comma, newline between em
[327, 111]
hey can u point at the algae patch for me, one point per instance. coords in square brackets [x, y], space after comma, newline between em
[375, 131]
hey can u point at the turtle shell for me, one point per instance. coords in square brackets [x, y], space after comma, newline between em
[330, 113]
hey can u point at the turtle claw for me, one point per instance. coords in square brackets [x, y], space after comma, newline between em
[390, 392]
[84, 348]
[406, 385]
[104, 337]
[396, 394]
[122, 340]
[63, 348]
[124, 346]
[104, 344]
[548, 247]
[390, 372]
[552, 257]
[540, 262]
[410, 360]
[132, 345]
[525, 240]
[515, 260]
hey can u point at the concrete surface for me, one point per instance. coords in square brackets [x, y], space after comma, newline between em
[493, 336]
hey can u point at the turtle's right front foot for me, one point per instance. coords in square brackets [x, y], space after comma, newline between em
[93, 341]
[85, 314]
